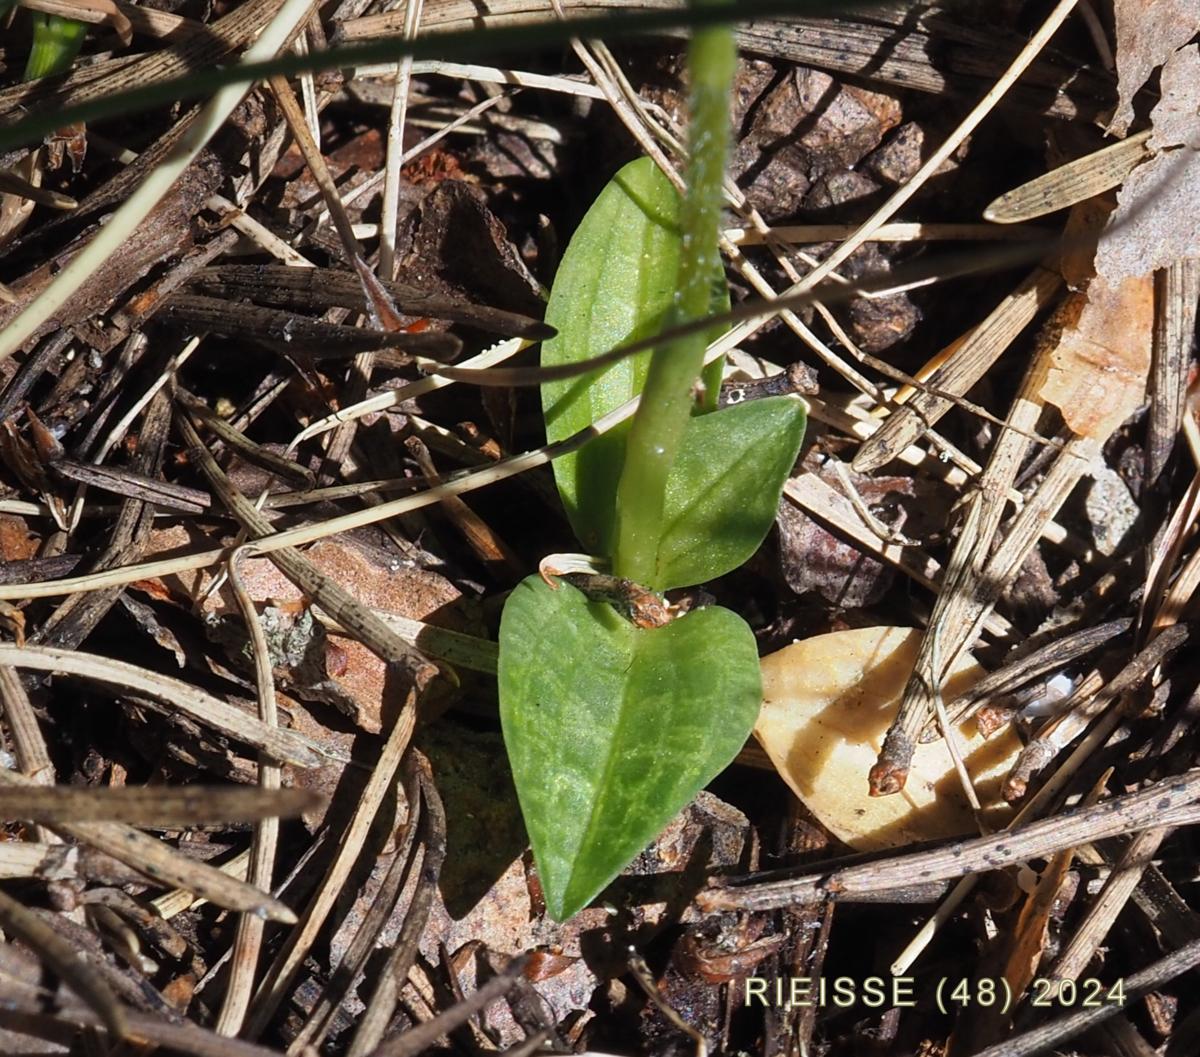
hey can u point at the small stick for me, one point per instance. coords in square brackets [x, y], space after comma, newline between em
[978, 351]
[1073, 959]
[253, 453]
[1083, 707]
[133, 485]
[11, 183]
[158, 806]
[162, 865]
[151, 1029]
[569, 84]
[321, 1017]
[160, 24]
[881, 530]
[420, 1038]
[1054, 655]
[1171, 801]
[382, 1003]
[1177, 293]
[32, 754]
[316, 289]
[489, 547]
[645, 980]
[455, 647]
[173, 903]
[395, 148]
[890, 50]
[312, 338]
[286, 746]
[897, 231]
[315, 161]
[299, 943]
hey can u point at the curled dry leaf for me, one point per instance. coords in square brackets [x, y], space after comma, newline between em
[1098, 369]
[827, 703]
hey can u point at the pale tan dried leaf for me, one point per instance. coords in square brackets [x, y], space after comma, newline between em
[1098, 369]
[827, 703]
[1154, 224]
[1148, 33]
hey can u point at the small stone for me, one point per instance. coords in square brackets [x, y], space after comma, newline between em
[897, 160]
[1111, 508]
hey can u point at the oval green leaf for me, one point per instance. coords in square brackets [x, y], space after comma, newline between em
[612, 729]
[723, 491]
[615, 284]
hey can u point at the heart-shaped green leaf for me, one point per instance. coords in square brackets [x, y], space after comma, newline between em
[723, 491]
[615, 284]
[611, 729]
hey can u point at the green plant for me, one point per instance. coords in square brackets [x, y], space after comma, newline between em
[612, 726]
[56, 42]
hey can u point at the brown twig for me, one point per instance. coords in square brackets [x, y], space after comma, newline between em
[1170, 801]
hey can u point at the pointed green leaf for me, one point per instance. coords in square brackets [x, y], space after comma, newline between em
[723, 491]
[616, 284]
[612, 729]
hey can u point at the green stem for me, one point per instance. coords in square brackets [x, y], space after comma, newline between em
[667, 400]
[56, 42]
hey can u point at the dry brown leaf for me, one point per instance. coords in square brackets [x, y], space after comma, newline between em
[1098, 369]
[1148, 33]
[827, 703]
[1155, 220]
[355, 675]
